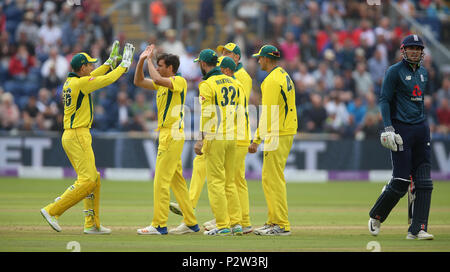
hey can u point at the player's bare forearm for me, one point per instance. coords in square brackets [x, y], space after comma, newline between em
[139, 78]
[156, 76]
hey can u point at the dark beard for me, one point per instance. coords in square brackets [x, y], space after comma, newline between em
[203, 71]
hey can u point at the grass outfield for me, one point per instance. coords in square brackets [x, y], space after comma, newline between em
[329, 217]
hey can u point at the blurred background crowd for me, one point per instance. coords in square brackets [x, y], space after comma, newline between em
[335, 51]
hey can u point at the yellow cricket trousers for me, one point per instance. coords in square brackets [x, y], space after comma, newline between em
[222, 192]
[273, 182]
[77, 144]
[198, 179]
[169, 174]
[241, 184]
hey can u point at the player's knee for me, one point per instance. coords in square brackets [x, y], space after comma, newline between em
[398, 186]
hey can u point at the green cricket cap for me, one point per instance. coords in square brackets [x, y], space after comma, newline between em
[81, 58]
[269, 51]
[207, 55]
[231, 47]
[227, 62]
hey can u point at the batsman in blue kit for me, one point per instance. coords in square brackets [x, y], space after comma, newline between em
[407, 135]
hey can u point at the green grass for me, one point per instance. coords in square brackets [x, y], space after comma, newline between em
[328, 217]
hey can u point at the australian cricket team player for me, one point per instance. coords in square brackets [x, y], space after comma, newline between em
[219, 99]
[277, 127]
[170, 97]
[76, 139]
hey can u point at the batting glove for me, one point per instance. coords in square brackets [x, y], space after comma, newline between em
[390, 139]
[127, 58]
[114, 57]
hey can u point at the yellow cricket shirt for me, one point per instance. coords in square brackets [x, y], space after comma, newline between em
[170, 103]
[219, 98]
[78, 104]
[244, 78]
[278, 96]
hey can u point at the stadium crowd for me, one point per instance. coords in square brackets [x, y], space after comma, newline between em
[335, 51]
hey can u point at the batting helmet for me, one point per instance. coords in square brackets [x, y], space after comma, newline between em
[411, 40]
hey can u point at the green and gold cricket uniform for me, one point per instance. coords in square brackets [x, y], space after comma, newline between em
[77, 141]
[219, 97]
[277, 127]
[169, 171]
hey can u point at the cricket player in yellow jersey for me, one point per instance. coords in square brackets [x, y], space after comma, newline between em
[277, 127]
[199, 168]
[76, 139]
[171, 92]
[219, 99]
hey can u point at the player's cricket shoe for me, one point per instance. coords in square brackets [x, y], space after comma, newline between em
[209, 225]
[374, 226]
[218, 232]
[247, 230]
[175, 208]
[51, 220]
[275, 230]
[95, 230]
[184, 229]
[422, 235]
[237, 230]
[150, 230]
[258, 231]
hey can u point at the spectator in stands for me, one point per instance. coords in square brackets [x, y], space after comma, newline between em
[377, 69]
[50, 35]
[290, 51]
[363, 80]
[30, 113]
[22, 75]
[48, 107]
[314, 117]
[141, 107]
[444, 91]
[29, 29]
[172, 45]
[371, 127]
[325, 74]
[308, 51]
[443, 116]
[54, 70]
[9, 112]
[338, 116]
[357, 109]
[303, 75]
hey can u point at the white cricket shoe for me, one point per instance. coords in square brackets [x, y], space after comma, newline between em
[237, 230]
[150, 230]
[175, 208]
[274, 230]
[374, 226]
[262, 229]
[209, 225]
[422, 235]
[247, 230]
[95, 230]
[218, 232]
[51, 220]
[183, 229]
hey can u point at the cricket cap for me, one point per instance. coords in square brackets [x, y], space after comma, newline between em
[269, 51]
[81, 58]
[227, 62]
[231, 47]
[208, 56]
